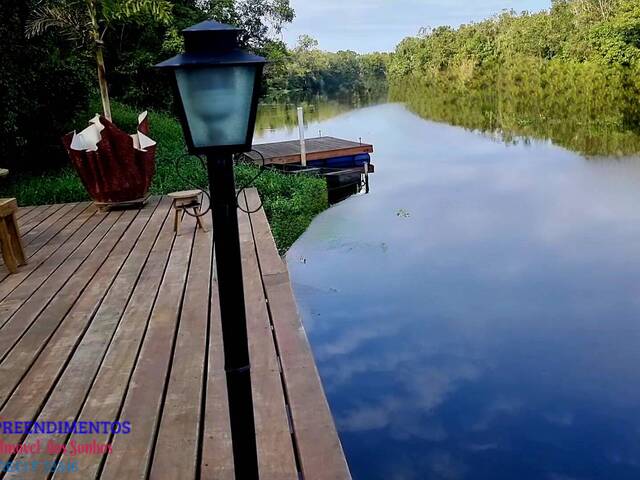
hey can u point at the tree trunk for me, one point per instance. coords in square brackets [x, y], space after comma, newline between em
[102, 80]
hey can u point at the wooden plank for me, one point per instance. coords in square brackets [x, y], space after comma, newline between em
[22, 211]
[108, 390]
[49, 221]
[181, 415]
[22, 306]
[109, 206]
[320, 452]
[70, 236]
[217, 450]
[49, 258]
[42, 214]
[276, 457]
[70, 391]
[30, 211]
[68, 315]
[33, 241]
[132, 453]
[31, 214]
[270, 261]
[62, 219]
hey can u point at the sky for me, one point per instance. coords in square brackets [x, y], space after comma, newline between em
[379, 25]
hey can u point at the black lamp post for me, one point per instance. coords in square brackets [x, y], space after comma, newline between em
[217, 87]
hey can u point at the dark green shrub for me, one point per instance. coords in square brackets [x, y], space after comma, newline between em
[44, 84]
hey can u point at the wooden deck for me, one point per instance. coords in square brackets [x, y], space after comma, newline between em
[115, 318]
[320, 148]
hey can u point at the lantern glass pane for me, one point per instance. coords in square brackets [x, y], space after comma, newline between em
[217, 103]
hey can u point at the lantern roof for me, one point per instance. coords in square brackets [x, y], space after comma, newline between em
[237, 57]
[209, 25]
[211, 43]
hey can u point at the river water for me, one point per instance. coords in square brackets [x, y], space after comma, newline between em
[477, 315]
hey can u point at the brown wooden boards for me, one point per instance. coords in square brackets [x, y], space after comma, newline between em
[39, 215]
[69, 237]
[319, 447]
[132, 454]
[65, 401]
[276, 458]
[181, 415]
[22, 211]
[36, 292]
[216, 462]
[49, 221]
[118, 319]
[34, 241]
[111, 384]
[61, 341]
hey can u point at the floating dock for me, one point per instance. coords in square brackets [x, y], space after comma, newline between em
[344, 164]
[317, 149]
[115, 318]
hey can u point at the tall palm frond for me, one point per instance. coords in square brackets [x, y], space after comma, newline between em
[65, 16]
[89, 20]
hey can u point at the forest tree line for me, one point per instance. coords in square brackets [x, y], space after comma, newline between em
[570, 73]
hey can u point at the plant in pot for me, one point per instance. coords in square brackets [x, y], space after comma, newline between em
[115, 168]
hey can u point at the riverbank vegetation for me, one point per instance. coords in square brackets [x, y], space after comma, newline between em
[570, 74]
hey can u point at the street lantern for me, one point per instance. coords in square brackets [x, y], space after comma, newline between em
[217, 85]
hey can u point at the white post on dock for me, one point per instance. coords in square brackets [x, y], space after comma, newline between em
[303, 147]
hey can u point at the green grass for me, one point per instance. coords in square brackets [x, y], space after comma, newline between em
[290, 201]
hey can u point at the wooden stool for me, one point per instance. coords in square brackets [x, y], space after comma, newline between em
[12, 250]
[187, 200]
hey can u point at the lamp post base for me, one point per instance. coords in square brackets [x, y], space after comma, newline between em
[232, 309]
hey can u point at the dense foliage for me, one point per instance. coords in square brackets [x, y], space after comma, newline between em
[571, 74]
[47, 81]
[43, 84]
[87, 22]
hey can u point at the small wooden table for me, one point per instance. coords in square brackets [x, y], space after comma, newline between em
[186, 200]
[10, 242]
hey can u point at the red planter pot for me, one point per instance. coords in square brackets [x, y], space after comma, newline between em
[116, 171]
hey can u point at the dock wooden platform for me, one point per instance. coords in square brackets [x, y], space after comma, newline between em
[320, 148]
[115, 318]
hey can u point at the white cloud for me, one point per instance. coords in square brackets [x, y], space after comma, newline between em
[370, 25]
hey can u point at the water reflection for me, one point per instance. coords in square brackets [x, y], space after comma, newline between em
[282, 117]
[476, 315]
[578, 117]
